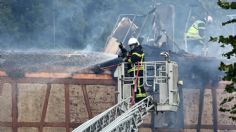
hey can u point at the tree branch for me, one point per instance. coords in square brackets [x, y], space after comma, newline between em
[229, 22]
[226, 5]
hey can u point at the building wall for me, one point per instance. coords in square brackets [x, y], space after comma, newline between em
[191, 109]
[48, 105]
[59, 104]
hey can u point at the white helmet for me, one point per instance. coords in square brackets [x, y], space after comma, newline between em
[209, 19]
[133, 41]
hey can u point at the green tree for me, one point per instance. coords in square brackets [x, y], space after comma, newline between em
[230, 68]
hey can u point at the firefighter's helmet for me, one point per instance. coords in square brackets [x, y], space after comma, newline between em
[209, 19]
[133, 41]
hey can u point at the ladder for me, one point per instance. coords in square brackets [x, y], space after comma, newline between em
[100, 121]
[130, 120]
[120, 118]
[160, 76]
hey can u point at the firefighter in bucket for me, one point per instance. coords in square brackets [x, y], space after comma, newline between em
[135, 57]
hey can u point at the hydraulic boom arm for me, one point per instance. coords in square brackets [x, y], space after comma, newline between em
[120, 117]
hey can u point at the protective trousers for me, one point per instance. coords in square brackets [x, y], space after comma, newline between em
[140, 91]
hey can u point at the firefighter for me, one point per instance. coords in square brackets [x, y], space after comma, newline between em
[135, 67]
[195, 35]
[196, 31]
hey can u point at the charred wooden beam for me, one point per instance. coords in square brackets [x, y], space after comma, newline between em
[67, 107]
[220, 127]
[60, 81]
[214, 109]
[38, 124]
[67, 75]
[86, 100]
[201, 106]
[14, 107]
[45, 106]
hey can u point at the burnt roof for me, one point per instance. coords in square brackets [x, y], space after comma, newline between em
[13, 62]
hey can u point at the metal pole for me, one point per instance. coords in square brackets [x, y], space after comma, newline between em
[129, 29]
[145, 20]
[186, 26]
[173, 24]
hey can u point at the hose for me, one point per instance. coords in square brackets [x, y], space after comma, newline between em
[107, 67]
[135, 83]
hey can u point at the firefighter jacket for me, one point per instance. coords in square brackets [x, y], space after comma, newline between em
[136, 55]
[196, 31]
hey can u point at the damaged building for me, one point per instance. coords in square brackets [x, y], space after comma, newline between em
[57, 91]
[60, 100]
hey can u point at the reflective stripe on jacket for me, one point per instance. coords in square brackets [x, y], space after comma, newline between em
[139, 95]
[139, 57]
[193, 31]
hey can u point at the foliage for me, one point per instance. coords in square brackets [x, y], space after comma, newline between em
[226, 100]
[228, 69]
[228, 22]
[226, 5]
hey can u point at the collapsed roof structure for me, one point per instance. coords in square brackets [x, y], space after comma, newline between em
[57, 91]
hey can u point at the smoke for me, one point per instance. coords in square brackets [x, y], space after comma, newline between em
[37, 26]
[77, 24]
[55, 24]
[17, 63]
[36, 29]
